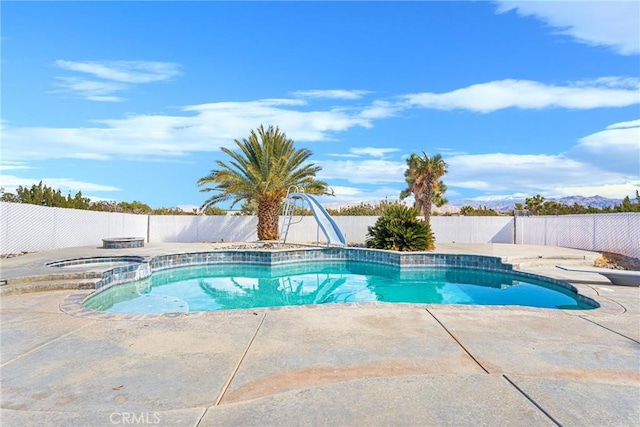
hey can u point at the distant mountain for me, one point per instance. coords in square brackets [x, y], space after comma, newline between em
[507, 204]
[595, 201]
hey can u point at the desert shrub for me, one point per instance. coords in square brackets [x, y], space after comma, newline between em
[398, 229]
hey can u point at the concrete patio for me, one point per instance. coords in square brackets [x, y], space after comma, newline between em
[360, 364]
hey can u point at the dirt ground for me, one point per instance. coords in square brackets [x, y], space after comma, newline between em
[617, 262]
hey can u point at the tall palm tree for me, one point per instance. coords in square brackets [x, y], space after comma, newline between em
[423, 181]
[262, 172]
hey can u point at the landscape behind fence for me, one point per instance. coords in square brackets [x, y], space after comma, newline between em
[31, 228]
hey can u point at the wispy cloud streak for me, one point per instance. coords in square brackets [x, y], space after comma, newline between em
[331, 93]
[106, 78]
[527, 94]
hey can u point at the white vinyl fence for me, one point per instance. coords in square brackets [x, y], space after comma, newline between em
[472, 229]
[618, 232]
[305, 229]
[216, 228]
[32, 228]
[447, 229]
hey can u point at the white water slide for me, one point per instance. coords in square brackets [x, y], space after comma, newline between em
[325, 222]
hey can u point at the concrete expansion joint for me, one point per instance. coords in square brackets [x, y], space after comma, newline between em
[33, 350]
[609, 329]
[530, 399]
[237, 367]
[458, 342]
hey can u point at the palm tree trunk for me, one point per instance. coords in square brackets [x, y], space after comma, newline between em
[426, 203]
[268, 216]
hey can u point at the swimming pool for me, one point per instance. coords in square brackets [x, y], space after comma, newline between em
[231, 286]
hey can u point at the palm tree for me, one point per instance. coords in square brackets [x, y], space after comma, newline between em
[438, 197]
[423, 181]
[262, 172]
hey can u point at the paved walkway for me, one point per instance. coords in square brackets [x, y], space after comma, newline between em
[326, 365]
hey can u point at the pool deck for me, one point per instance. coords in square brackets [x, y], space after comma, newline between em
[337, 365]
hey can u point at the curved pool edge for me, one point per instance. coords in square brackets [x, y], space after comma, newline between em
[404, 260]
[72, 305]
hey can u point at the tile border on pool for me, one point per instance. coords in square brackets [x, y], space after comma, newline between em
[141, 270]
[404, 260]
[98, 260]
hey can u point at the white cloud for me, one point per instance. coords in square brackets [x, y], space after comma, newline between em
[606, 163]
[10, 183]
[381, 110]
[5, 166]
[623, 125]
[617, 148]
[493, 174]
[346, 196]
[362, 171]
[90, 89]
[549, 175]
[124, 71]
[116, 76]
[527, 94]
[598, 23]
[150, 137]
[352, 156]
[372, 151]
[331, 93]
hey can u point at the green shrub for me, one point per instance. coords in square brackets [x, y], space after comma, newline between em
[398, 229]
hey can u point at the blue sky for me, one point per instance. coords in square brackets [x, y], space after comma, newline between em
[133, 100]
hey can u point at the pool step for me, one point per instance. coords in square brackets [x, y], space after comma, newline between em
[48, 283]
[79, 275]
[550, 261]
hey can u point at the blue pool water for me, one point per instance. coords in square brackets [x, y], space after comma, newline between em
[242, 286]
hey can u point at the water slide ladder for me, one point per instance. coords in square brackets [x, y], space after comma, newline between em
[325, 223]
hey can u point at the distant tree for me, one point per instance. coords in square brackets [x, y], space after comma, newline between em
[481, 211]
[627, 205]
[466, 210]
[364, 209]
[533, 203]
[10, 197]
[43, 195]
[134, 207]
[104, 206]
[249, 208]
[214, 211]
